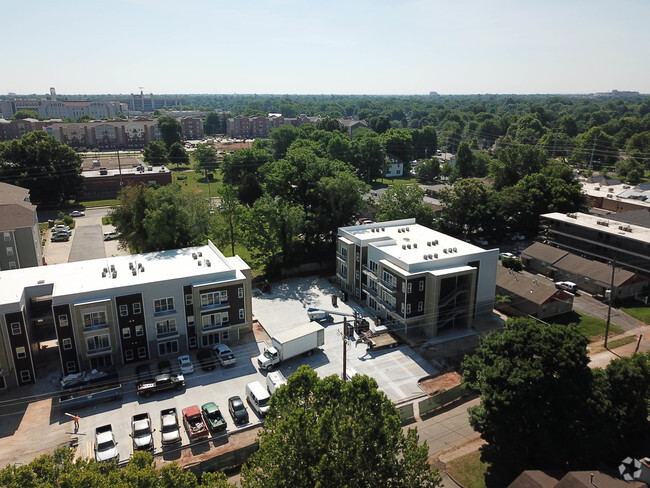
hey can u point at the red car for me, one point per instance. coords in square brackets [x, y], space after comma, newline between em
[194, 423]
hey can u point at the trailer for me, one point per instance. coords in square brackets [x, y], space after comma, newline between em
[378, 340]
[72, 400]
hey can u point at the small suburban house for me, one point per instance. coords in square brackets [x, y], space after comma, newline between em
[394, 167]
[531, 296]
[119, 310]
[21, 238]
[591, 276]
[416, 280]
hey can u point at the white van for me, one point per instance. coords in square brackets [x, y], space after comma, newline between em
[258, 397]
[567, 286]
[274, 381]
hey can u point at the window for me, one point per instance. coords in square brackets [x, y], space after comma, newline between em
[139, 330]
[190, 320]
[67, 344]
[211, 321]
[165, 348]
[240, 292]
[163, 305]
[357, 275]
[63, 320]
[15, 328]
[166, 327]
[10, 251]
[142, 352]
[95, 319]
[128, 354]
[71, 367]
[7, 236]
[25, 376]
[241, 313]
[137, 308]
[358, 257]
[193, 342]
[420, 306]
[21, 353]
[188, 299]
[12, 264]
[213, 298]
[401, 307]
[124, 310]
[126, 332]
[421, 285]
[97, 343]
[389, 279]
[409, 288]
[408, 308]
[373, 266]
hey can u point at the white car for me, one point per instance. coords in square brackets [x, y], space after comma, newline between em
[503, 255]
[77, 213]
[185, 364]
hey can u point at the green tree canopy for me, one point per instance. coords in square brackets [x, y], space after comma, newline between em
[398, 142]
[178, 155]
[26, 114]
[156, 153]
[282, 138]
[428, 170]
[325, 432]
[237, 166]
[157, 219]
[515, 162]
[402, 202]
[50, 170]
[170, 129]
[466, 208]
[205, 156]
[369, 156]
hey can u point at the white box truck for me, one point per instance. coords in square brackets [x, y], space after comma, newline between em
[299, 340]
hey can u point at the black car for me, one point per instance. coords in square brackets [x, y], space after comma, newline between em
[237, 410]
[206, 359]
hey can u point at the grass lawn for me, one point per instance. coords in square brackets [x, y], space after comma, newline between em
[192, 181]
[639, 313]
[621, 342]
[591, 327]
[404, 180]
[468, 470]
[98, 203]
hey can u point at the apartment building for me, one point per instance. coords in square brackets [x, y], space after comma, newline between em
[261, 126]
[21, 238]
[15, 129]
[599, 238]
[120, 310]
[415, 279]
[99, 109]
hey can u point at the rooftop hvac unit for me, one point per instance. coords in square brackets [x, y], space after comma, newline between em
[455, 249]
[200, 254]
[104, 273]
[403, 246]
[408, 246]
[450, 250]
[134, 271]
[105, 270]
[112, 267]
[435, 255]
[130, 265]
[408, 230]
[444, 250]
[383, 229]
[428, 243]
[415, 245]
[199, 262]
[208, 263]
[435, 243]
[426, 256]
[194, 255]
[114, 274]
[140, 267]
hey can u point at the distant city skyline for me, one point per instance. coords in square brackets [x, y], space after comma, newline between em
[350, 47]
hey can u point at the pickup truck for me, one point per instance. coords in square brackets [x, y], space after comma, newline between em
[170, 430]
[141, 432]
[160, 383]
[224, 355]
[213, 417]
[105, 445]
[194, 423]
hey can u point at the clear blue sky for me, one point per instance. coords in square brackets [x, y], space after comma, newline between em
[332, 46]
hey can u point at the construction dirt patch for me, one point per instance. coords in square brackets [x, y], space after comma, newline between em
[439, 384]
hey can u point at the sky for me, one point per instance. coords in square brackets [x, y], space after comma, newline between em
[325, 47]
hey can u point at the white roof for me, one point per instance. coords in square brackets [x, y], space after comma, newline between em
[86, 276]
[602, 224]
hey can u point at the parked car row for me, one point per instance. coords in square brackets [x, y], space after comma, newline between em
[60, 233]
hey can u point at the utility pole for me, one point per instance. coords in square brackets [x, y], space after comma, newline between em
[345, 347]
[609, 308]
[119, 165]
[591, 159]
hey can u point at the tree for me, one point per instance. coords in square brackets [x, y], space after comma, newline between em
[61, 469]
[156, 153]
[26, 114]
[328, 124]
[178, 155]
[282, 138]
[212, 123]
[227, 217]
[465, 161]
[205, 156]
[369, 157]
[466, 208]
[84, 118]
[170, 129]
[379, 124]
[425, 142]
[515, 162]
[398, 142]
[157, 219]
[243, 162]
[50, 170]
[428, 170]
[403, 202]
[326, 432]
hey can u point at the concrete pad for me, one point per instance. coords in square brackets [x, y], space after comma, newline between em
[88, 243]
[396, 370]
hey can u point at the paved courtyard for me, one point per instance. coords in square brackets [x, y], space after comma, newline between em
[397, 370]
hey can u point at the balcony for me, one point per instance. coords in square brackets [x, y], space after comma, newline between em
[211, 327]
[216, 306]
[387, 286]
[370, 290]
[92, 327]
[366, 270]
[342, 257]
